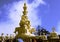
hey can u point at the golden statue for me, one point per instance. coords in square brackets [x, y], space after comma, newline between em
[24, 25]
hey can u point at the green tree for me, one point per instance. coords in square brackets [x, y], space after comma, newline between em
[40, 30]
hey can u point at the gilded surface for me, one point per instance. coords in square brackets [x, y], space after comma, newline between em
[24, 25]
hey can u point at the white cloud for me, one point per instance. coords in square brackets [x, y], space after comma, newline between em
[6, 28]
[15, 13]
[58, 28]
[36, 3]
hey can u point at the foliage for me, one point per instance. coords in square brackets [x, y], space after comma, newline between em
[40, 30]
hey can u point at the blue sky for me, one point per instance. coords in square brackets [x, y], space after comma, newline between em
[45, 13]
